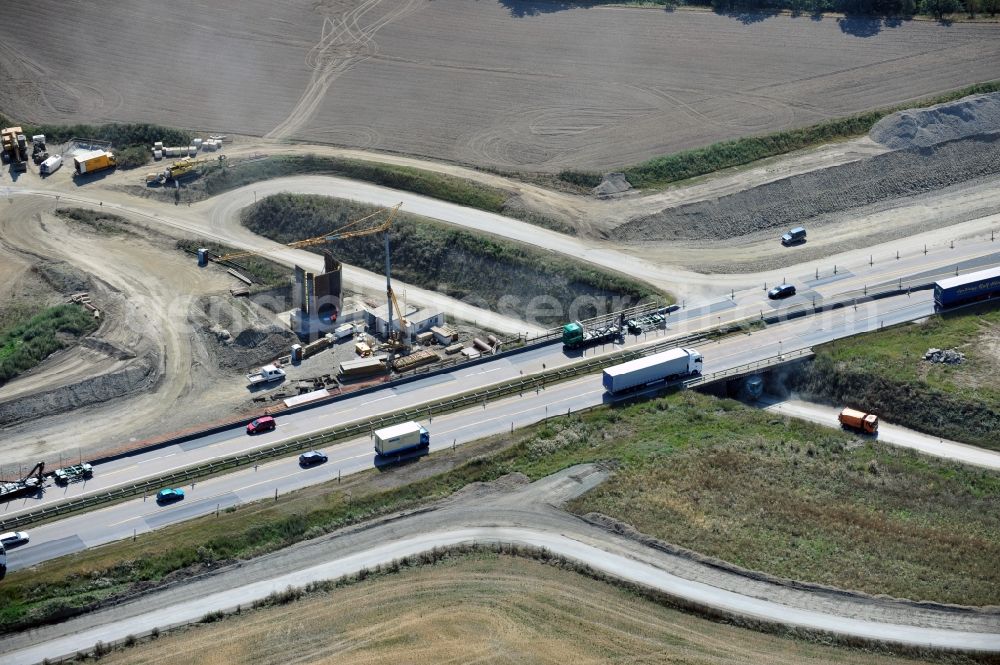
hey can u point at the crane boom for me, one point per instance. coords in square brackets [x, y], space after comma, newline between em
[342, 233]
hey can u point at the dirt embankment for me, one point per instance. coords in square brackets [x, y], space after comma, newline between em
[236, 335]
[921, 128]
[805, 198]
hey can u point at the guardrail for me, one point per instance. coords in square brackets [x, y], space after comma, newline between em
[366, 427]
[445, 405]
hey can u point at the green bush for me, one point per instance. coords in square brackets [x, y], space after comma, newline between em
[443, 258]
[26, 345]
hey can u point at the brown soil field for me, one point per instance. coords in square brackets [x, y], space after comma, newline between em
[480, 609]
[487, 83]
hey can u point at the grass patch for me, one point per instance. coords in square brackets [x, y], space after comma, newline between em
[661, 171]
[542, 611]
[103, 223]
[218, 179]
[782, 496]
[884, 371]
[487, 271]
[27, 344]
[265, 273]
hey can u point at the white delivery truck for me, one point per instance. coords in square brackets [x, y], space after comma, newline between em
[401, 438]
[666, 365]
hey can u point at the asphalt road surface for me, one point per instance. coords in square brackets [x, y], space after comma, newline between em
[525, 515]
[141, 515]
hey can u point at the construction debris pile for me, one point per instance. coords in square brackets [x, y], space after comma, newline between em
[947, 356]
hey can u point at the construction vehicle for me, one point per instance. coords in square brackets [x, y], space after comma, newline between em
[29, 484]
[15, 148]
[859, 421]
[576, 336]
[93, 161]
[74, 473]
[266, 374]
[176, 171]
[50, 165]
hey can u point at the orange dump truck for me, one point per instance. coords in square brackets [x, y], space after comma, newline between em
[859, 420]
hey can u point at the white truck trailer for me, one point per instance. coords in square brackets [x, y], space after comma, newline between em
[666, 365]
[401, 438]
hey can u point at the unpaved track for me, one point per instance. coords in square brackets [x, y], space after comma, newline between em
[528, 516]
[472, 82]
[149, 291]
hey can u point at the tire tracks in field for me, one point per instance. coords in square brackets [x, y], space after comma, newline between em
[344, 43]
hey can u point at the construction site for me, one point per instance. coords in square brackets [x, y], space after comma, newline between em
[497, 280]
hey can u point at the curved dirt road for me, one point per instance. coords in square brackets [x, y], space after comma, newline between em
[526, 515]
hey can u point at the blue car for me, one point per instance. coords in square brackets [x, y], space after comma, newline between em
[169, 495]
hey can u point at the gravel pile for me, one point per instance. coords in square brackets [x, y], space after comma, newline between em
[612, 185]
[920, 128]
[794, 201]
[947, 356]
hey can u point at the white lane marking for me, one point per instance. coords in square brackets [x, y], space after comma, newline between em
[153, 459]
[517, 413]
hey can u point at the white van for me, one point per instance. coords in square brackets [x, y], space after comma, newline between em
[50, 165]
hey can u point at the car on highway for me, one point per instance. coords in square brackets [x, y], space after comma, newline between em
[262, 424]
[312, 457]
[781, 291]
[169, 495]
[13, 538]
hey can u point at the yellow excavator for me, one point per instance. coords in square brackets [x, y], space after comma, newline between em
[355, 229]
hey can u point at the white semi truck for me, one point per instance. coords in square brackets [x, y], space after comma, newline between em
[666, 365]
[401, 438]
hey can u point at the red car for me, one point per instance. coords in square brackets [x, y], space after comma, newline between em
[262, 424]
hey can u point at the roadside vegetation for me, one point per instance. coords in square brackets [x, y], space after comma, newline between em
[541, 610]
[885, 372]
[103, 223]
[485, 270]
[27, 344]
[661, 171]
[218, 179]
[767, 493]
[132, 142]
[264, 272]
[895, 9]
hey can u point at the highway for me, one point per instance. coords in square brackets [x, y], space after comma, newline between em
[138, 516]
[526, 515]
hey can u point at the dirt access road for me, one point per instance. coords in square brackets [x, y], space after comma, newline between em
[509, 511]
[504, 84]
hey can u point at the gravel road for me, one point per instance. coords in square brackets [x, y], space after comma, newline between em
[509, 511]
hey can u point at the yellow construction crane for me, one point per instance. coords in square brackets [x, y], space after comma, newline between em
[350, 230]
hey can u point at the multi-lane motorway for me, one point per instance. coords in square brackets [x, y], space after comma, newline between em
[141, 515]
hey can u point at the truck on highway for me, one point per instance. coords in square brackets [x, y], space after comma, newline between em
[663, 366]
[976, 286]
[94, 161]
[266, 374]
[576, 336]
[402, 438]
[29, 484]
[3, 561]
[859, 421]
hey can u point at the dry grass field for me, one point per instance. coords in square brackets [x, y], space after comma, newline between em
[479, 610]
[487, 83]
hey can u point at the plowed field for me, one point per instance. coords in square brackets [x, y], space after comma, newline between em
[519, 85]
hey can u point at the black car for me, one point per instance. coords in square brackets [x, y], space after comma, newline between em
[312, 457]
[781, 291]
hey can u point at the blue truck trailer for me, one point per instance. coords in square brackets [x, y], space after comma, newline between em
[964, 289]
